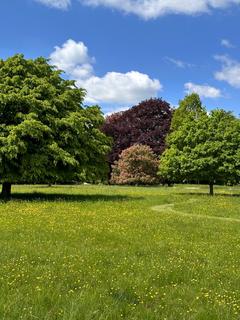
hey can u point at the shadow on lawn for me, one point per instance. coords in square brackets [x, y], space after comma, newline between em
[38, 196]
[207, 194]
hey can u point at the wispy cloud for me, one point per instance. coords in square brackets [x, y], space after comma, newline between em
[179, 63]
[227, 44]
[59, 4]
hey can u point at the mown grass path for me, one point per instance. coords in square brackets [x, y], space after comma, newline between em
[169, 208]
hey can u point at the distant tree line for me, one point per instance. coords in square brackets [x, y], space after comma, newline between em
[191, 144]
[48, 135]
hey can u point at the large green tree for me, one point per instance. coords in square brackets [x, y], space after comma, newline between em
[46, 134]
[205, 147]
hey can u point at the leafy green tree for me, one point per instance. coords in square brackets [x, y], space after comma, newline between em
[46, 135]
[137, 165]
[204, 148]
[191, 106]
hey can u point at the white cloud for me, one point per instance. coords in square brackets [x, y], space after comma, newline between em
[130, 87]
[148, 9]
[73, 58]
[227, 43]
[179, 63]
[205, 91]
[230, 71]
[113, 87]
[59, 4]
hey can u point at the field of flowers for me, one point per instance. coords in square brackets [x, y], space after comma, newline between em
[101, 252]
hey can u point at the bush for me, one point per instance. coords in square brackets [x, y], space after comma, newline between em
[137, 165]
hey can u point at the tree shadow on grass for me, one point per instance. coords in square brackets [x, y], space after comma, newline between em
[38, 196]
[208, 195]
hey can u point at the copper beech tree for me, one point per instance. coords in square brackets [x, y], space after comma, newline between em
[148, 123]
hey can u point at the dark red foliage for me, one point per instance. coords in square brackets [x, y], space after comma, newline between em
[147, 123]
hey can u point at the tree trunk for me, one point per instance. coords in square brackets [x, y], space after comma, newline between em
[211, 189]
[6, 190]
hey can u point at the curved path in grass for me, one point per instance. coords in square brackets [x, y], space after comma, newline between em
[169, 208]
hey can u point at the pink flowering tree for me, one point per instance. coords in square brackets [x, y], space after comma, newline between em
[137, 165]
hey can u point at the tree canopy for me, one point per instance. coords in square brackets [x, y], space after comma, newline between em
[190, 106]
[46, 134]
[205, 147]
[148, 123]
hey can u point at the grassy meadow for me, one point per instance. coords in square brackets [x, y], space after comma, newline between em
[101, 252]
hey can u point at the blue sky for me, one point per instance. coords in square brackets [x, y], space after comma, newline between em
[125, 51]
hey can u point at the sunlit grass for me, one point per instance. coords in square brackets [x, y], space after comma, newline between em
[100, 252]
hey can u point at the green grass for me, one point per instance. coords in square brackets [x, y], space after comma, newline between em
[99, 252]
